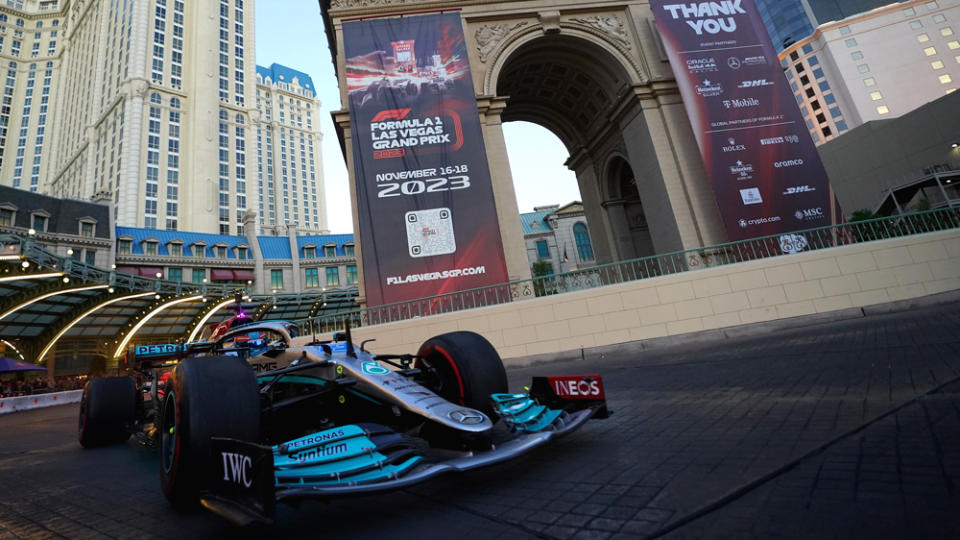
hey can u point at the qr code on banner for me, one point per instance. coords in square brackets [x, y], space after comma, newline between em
[430, 232]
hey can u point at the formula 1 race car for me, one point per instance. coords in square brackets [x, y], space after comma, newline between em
[252, 418]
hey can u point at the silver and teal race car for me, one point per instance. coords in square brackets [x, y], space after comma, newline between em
[253, 418]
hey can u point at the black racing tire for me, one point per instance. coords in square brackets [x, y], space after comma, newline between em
[468, 369]
[204, 397]
[107, 410]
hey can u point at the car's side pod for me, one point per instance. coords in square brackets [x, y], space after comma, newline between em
[571, 393]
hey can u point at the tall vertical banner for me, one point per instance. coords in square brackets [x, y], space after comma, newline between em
[428, 222]
[765, 170]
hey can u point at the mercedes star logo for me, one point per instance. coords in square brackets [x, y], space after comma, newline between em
[466, 417]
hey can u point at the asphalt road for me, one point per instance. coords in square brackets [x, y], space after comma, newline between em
[848, 429]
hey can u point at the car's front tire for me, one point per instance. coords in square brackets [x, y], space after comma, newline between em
[466, 367]
[204, 397]
[107, 410]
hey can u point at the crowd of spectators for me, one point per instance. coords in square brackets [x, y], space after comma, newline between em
[40, 385]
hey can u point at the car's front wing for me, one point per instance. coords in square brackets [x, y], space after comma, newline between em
[362, 458]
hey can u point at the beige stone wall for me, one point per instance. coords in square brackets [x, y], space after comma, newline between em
[778, 288]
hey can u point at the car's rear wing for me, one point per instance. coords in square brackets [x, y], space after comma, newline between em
[151, 356]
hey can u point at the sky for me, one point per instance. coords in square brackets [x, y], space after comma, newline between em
[291, 33]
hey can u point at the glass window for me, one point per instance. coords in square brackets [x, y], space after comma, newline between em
[807, 49]
[818, 73]
[794, 86]
[333, 276]
[75, 254]
[923, 38]
[86, 229]
[909, 12]
[916, 25]
[824, 86]
[810, 92]
[39, 223]
[176, 250]
[199, 274]
[876, 96]
[199, 251]
[869, 81]
[276, 278]
[123, 247]
[90, 257]
[841, 125]
[543, 251]
[813, 60]
[939, 18]
[953, 45]
[221, 252]
[242, 253]
[175, 274]
[821, 118]
[937, 64]
[310, 252]
[312, 277]
[582, 238]
[944, 79]
[826, 131]
[946, 31]
[329, 251]
[856, 55]
[150, 248]
[852, 42]
[6, 217]
[932, 6]
[351, 274]
[882, 109]
[844, 30]
[863, 68]
[834, 112]
[349, 250]
[829, 98]
[804, 80]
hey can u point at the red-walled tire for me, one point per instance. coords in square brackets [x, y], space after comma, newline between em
[107, 411]
[204, 397]
[468, 369]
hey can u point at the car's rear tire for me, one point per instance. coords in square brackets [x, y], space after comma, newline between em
[107, 410]
[468, 369]
[204, 397]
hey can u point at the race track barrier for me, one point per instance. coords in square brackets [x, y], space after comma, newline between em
[38, 401]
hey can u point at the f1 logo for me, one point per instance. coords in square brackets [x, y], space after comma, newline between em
[391, 114]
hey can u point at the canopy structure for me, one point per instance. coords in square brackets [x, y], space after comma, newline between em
[72, 318]
[8, 365]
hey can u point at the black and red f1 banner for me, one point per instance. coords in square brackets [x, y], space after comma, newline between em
[428, 223]
[766, 173]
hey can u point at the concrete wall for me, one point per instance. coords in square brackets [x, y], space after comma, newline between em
[778, 288]
[868, 160]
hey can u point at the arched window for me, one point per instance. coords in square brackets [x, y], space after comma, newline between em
[582, 237]
[39, 24]
[155, 98]
[223, 115]
[174, 103]
[240, 119]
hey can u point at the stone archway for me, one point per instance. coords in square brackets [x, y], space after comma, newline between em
[597, 77]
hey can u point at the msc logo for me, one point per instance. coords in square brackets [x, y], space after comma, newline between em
[754, 83]
[793, 190]
[391, 114]
[809, 213]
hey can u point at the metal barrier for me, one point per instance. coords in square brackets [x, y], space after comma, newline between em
[39, 401]
[646, 267]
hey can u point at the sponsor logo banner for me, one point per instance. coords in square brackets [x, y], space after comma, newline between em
[745, 118]
[427, 220]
